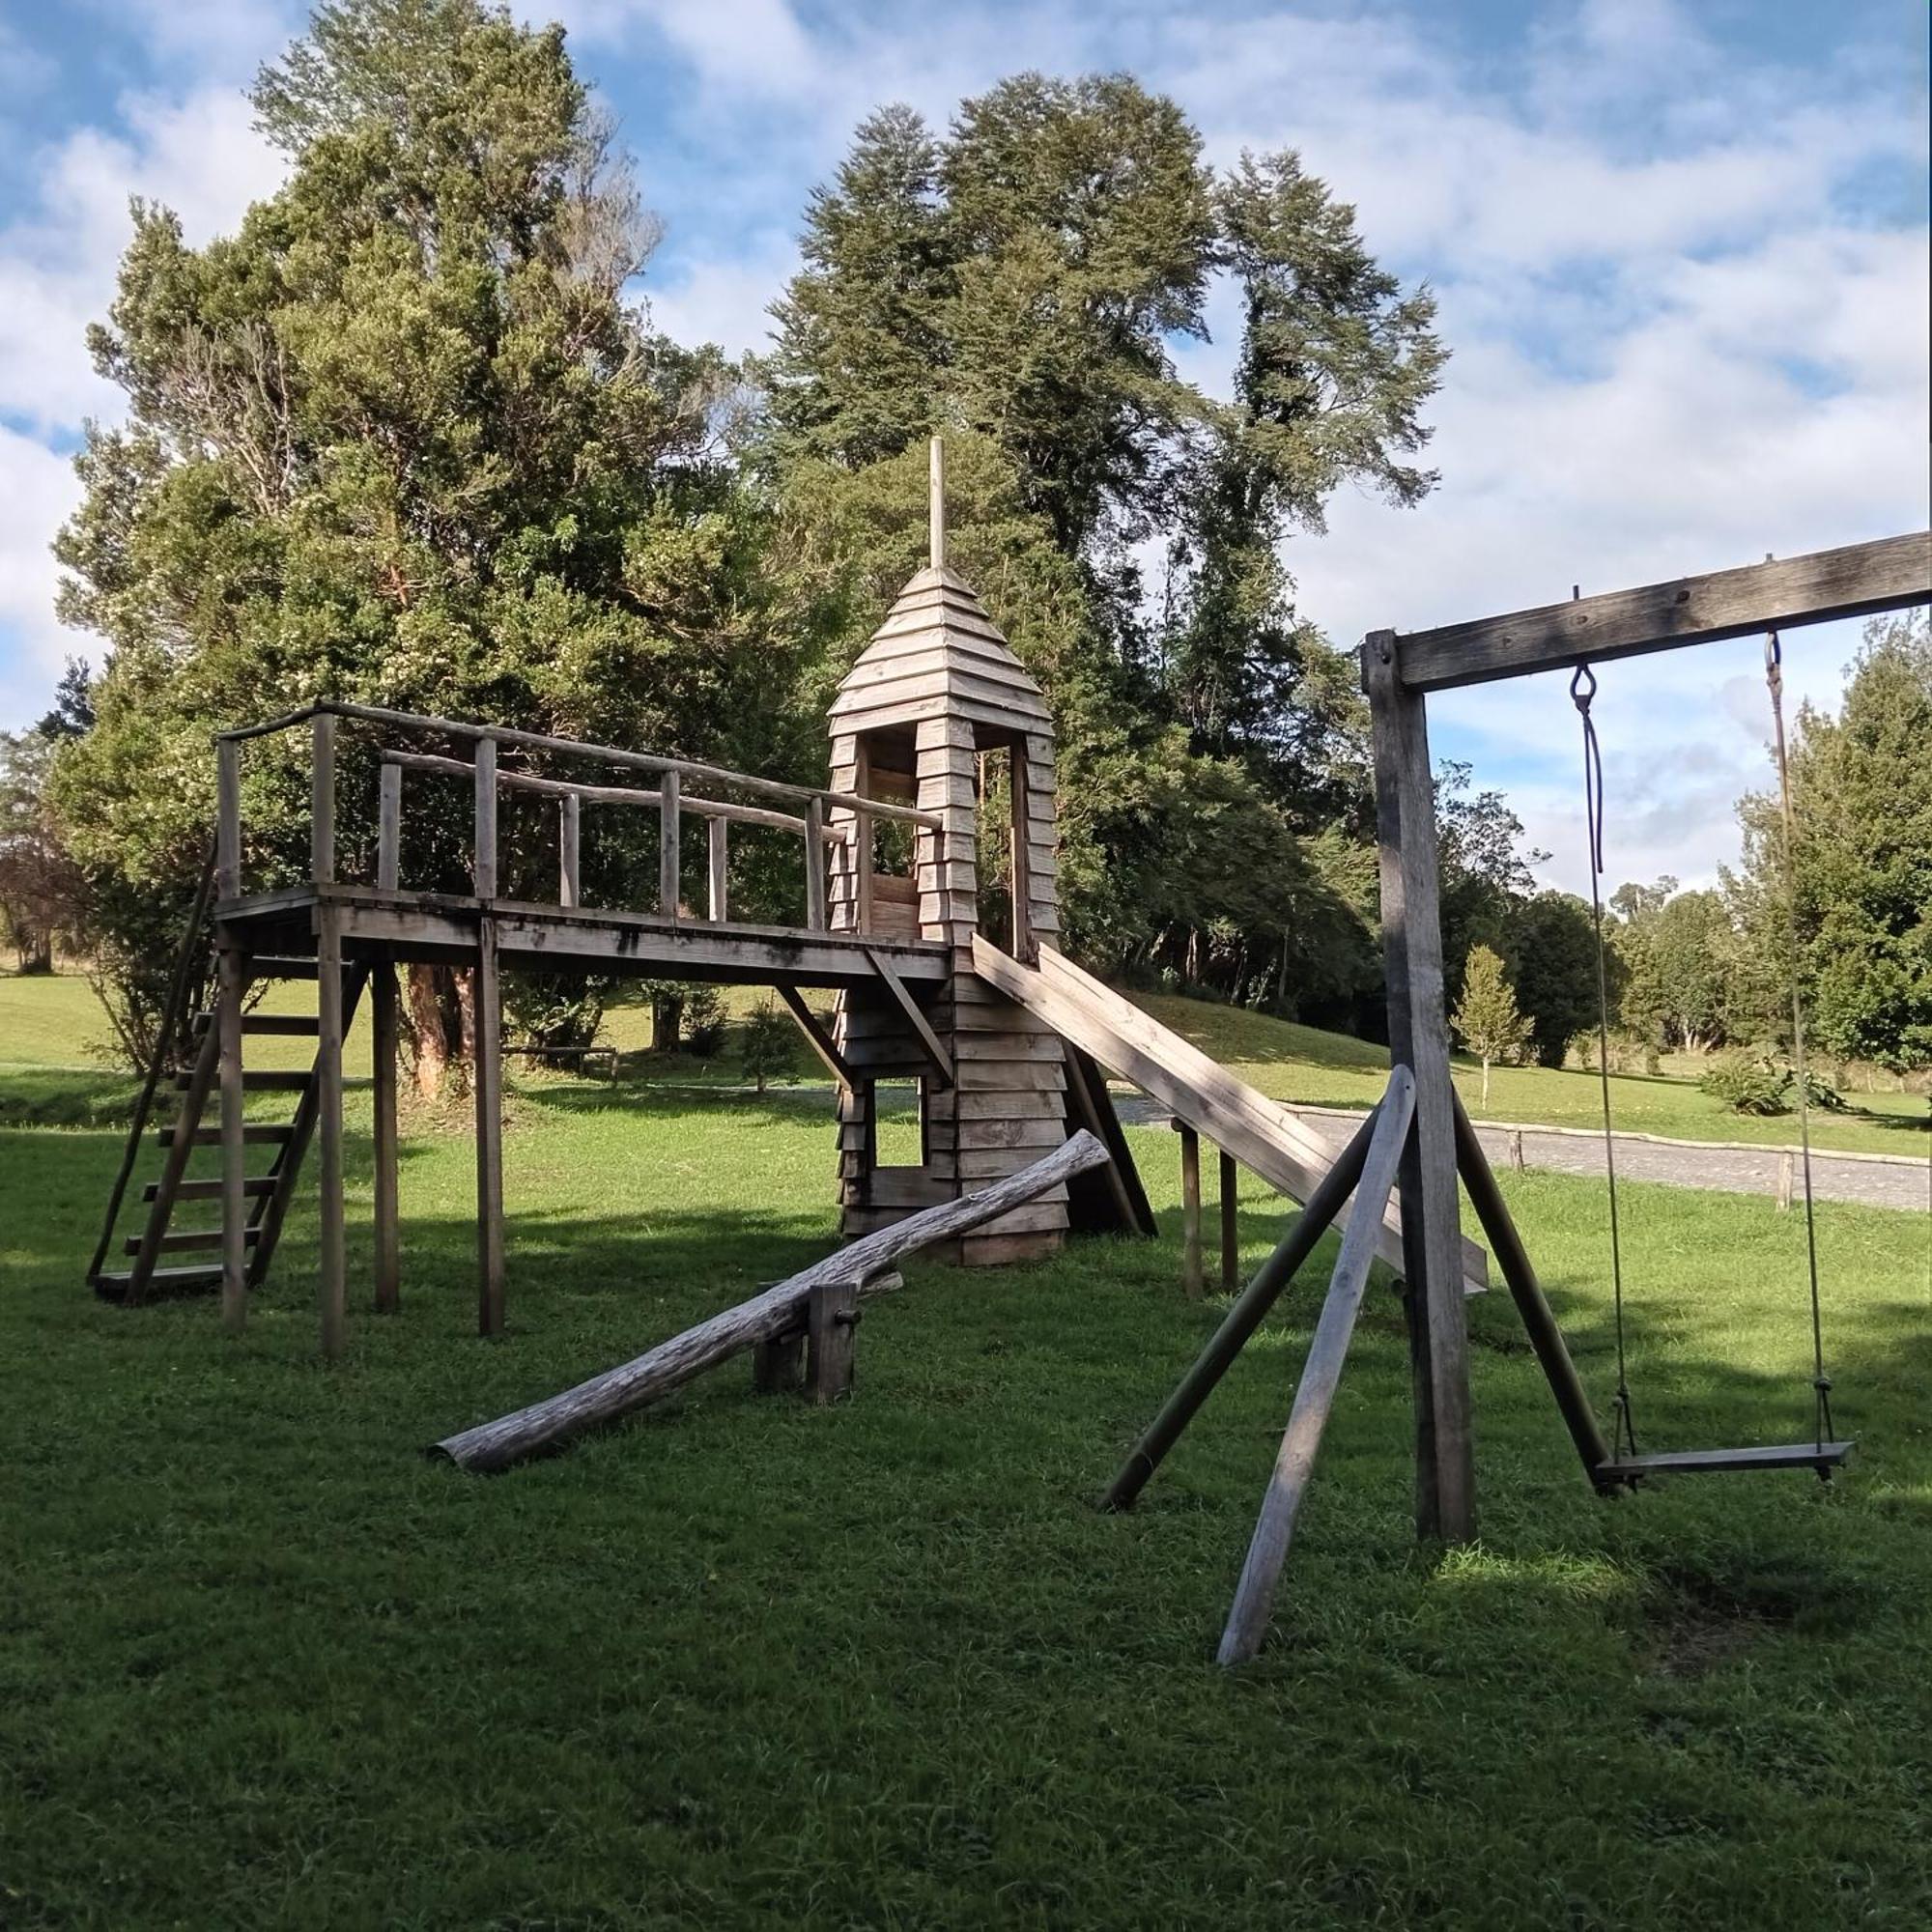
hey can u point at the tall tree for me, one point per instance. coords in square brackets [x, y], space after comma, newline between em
[1861, 857]
[403, 438]
[1487, 1019]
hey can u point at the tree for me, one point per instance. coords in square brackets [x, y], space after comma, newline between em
[403, 438]
[764, 1043]
[1486, 1019]
[1552, 951]
[1021, 282]
[42, 896]
[1861, 799]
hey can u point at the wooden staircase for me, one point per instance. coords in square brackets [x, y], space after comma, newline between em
[152, 1270]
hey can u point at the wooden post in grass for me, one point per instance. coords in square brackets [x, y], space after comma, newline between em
[489, 1085]
[1230, 1233]
[832, 1324]
[1445, 1477]
[1190, 1211]
[1785, 1174]
[1320, 1376]
[384, 1029]
[331, 1284]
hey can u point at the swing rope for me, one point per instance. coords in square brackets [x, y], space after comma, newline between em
[1583, 688]
[1821, 1382]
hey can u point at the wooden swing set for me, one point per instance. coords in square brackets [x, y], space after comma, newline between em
[1418, 1141]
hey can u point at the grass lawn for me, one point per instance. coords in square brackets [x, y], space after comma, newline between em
[1298, 1062]
[741, 1662]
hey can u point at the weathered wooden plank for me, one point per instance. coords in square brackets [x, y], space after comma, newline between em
[1419, 1040]
[942, 1063]
[388, 828]
[1858, 579]
[233, 979]
[488, 1097]
[483, 866]
[384, 1014]
[1320, 1376]
[669, 851]
[322, 799]
[569, 851]
[820, 1040]
[496, 1445]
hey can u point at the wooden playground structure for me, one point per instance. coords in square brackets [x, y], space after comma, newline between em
[1007, 1041]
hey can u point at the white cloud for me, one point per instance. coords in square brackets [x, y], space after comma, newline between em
[40, 489]
[726, 302]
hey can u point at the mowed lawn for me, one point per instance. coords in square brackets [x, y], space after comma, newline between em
[742, 1662]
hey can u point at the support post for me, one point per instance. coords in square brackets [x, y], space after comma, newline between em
[227, 820]
[232, 979]
[389, 828]
[1785, 1174]
[569, 836]
[669, 866]
[489, 1133]
[1190, 1211]
[484, 865]
[1445, 1501]
[321, 798]
[1241, 1320]
[1516, 1159]
[832, 1324]
[384, 1026]
[1538, 1320]
[333, 1274]
[815, 865]
[778, 1365]
[1320, 1376]
[1231, 1231]
[716, 867]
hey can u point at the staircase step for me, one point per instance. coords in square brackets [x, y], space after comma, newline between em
[255, 1186]
[176, 1242]
[256, 1082]
[252, 1135]
[300, 1025]
[112, 1284]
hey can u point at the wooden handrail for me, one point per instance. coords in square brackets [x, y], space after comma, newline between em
[537, 741]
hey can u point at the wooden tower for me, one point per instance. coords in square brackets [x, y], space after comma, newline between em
[939, 713]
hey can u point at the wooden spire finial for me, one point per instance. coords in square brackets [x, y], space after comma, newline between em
[937, 505]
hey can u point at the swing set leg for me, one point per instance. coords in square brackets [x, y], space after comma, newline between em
[1527, 1291]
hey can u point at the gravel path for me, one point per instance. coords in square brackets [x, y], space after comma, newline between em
[1834, 1176]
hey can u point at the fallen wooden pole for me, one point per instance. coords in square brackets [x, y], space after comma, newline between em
[1241, 1320]
[869, 1263]
[1320, 1376]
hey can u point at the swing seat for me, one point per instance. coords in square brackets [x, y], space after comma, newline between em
[1823, 1456]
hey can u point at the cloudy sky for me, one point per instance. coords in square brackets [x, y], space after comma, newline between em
[1680, 248]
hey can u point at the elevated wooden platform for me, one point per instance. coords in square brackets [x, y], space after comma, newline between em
[278, 929]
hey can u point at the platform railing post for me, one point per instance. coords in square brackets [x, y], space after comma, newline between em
[388, 828]
[718, 857]
[321, 798]
[227, 820]
[670, 867]
[484, 871]
[815, 865]
[569, 834]
[384, 1043]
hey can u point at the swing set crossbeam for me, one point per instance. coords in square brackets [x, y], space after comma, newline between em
[1823, 1456]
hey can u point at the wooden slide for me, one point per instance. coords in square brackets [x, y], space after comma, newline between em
[1263, 1135]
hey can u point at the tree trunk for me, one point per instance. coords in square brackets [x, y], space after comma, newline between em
[1486, 1079]
[436, 1034]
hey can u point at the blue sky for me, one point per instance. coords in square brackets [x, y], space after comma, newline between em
[1680, 248]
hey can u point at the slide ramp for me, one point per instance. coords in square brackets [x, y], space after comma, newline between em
[1263, 1135]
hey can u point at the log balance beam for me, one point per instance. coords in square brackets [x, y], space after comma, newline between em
[865, 1266]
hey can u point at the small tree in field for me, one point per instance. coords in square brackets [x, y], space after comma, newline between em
[1487, 1020]
[764, 1045]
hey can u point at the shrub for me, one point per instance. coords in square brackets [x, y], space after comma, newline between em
[703, 1021]
[764, 1045]
[1761, 1083]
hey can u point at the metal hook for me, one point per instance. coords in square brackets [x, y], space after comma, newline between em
[1582, 687]
[1773, 652]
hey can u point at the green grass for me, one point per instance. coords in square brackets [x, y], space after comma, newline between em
[1298, 1062]
[741, 1662]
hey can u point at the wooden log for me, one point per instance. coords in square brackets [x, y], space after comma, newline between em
[332, 1277]
[322, 799]
[1432, 1239]
[832, 1325]
[1893, 574]
[820, 1040]
[914, 1018]
[1241, 1320]
[488, 1094]
[388, 828]
[1320, 1376]
[384, 1030]
[496, 1445]
[1190, 1211]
